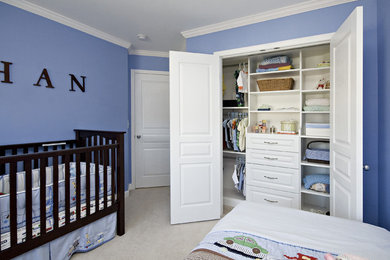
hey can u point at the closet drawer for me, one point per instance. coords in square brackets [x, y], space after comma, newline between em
[285, 179]
[286, 143]
[272, 197]
[273, 158]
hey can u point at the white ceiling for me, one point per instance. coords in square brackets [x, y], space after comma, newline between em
[161, 20]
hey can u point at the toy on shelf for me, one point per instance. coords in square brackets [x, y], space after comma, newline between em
[325, 63]
[323, 84]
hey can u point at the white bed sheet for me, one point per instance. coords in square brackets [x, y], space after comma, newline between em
[305, 229]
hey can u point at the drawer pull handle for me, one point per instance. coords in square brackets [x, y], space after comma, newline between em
[269, 142]
[271, 178]
[271, 201]
[270, 158]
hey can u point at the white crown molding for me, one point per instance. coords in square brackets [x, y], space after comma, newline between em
[38, 10]
[162, 54]
[264, 16]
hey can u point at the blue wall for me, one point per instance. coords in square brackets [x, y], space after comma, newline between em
[384, 112]
[139, 62]
[32, 114]
[315, 22]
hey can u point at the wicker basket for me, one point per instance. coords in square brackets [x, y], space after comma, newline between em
[275, 84]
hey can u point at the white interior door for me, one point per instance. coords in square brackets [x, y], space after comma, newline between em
[346, 118]
[151, 137]
[196, 142]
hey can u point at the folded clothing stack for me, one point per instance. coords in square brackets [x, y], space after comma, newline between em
[275, 63]
[317, 104]
[317, 182]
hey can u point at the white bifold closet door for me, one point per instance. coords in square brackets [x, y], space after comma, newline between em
[346, 51]
[195, 136]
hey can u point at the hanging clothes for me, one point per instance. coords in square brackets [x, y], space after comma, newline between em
[235, 131]
[242, 80]
[242, 126]
[238, 175]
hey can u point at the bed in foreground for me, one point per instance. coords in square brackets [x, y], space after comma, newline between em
[258, 231]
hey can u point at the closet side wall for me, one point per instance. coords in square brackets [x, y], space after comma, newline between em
[311, 23]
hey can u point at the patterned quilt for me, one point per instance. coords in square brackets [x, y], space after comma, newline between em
[239, 245]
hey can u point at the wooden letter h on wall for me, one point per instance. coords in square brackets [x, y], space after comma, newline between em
[6, 73]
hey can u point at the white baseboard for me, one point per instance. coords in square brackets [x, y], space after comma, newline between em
[129, 188]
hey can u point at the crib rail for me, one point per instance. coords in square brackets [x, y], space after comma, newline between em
[97, 147]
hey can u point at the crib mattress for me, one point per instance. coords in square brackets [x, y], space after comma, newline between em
[21, 217]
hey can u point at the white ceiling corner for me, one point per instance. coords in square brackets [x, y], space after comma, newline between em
[119, 21]
[41, 11]
[263, 16]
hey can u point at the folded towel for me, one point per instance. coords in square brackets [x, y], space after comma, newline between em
[274, 65]
[311, 179]
[265, 70]
[289, 67]
[275, 69]
[275, 59]
[317, 102]
[316, 108]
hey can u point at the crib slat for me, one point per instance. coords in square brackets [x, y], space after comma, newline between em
[35, 165]
[105, 184]
[96, 155]
[67, 190]
[45, 149]
[42, 195]
[27, 165]
[2, 166]
[78, 187]
[13, 203]
[113, 174]
[14, 151]
[25, 150]
[101, 154]
[55, 191]
[88, 182]
[63, 157]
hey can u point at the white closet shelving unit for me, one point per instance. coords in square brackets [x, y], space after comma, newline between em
[306, 75]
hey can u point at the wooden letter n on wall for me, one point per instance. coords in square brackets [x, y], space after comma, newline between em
[74, 80]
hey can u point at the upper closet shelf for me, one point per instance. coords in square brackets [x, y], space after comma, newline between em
[316, 69]
[294, 71]
[233, 108]
[316, 91]
[274, 92]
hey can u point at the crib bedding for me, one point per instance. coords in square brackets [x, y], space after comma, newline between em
[257, 231]
[21, 217]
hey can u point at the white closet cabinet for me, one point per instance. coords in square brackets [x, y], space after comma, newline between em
[201, 170]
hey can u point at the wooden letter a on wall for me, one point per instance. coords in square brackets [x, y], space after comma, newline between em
[45, 76]
[74, 79]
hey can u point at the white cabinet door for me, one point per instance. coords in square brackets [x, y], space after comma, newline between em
[196, 141]
[346, 118]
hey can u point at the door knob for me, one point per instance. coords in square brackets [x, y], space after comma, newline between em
[138, 136]
[366, 167]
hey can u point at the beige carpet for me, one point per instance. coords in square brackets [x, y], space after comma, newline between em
[149, 234]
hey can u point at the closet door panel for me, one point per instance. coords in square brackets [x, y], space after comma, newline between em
[196, 141]
[346, 118]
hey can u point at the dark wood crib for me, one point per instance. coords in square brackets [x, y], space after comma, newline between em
[99, 147]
